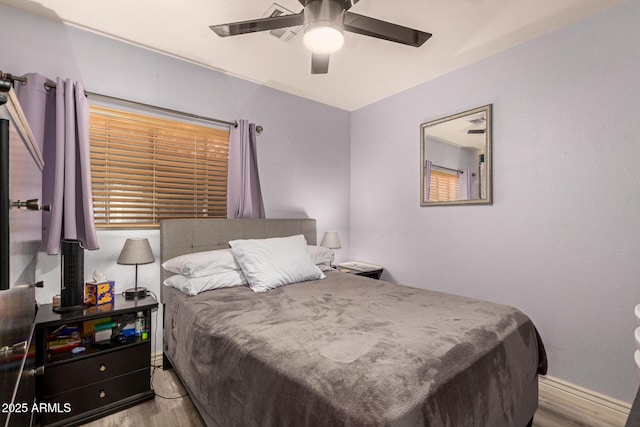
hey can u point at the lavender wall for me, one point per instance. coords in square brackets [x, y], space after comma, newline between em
[303, 153]
[561, 241]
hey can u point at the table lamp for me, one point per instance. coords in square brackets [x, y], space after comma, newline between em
[331, 240]
[135, 252]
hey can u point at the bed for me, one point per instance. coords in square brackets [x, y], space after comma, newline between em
[345, 350]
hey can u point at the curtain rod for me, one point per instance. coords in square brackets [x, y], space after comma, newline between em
[47, 85]
[449, 169]
[454, 170]
[161, 109]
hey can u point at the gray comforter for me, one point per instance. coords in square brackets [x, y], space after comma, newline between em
[351, 351]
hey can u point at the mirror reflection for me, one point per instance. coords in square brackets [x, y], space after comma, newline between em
[455, 154]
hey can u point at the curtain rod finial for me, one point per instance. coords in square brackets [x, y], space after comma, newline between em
[259, 129]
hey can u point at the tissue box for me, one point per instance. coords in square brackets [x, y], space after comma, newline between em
[99, 293]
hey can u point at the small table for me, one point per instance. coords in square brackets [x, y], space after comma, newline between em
[360, 269]
[105, 376]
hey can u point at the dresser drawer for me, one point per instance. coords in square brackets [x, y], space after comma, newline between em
[92, 397]
[92, 369]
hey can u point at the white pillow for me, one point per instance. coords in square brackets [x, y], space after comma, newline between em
[270, 263]
[321, 256]
[201, 264]
[195, 285]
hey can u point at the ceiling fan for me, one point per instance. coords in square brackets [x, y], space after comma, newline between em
[478, 125]
[324, 22]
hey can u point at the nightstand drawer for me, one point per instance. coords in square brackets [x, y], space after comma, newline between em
[92, 397]
[371, 274]
[360, 269]
[93, 369]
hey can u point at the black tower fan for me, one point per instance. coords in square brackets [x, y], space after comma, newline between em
[72, 276]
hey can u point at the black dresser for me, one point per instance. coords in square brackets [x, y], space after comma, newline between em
[105, 372]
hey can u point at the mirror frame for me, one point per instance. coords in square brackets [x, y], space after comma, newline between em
[487, 109]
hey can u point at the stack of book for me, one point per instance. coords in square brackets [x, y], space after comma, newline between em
[102, 331]
[63, 339]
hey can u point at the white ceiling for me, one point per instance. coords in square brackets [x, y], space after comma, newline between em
[455, 131]
[364, 71]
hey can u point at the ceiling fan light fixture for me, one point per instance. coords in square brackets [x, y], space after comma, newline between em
[324, 24]
[323, 38]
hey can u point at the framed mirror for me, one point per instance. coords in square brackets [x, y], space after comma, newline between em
[455, 159]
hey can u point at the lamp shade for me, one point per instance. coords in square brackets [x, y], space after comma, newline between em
[136, 251]
[331, 240]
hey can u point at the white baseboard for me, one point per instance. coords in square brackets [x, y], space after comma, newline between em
[588, 400]
[156, 359]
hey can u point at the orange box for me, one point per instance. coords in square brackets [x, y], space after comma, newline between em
[99, 293]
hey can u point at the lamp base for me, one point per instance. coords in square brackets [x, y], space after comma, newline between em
[135, 293]
[70, 308]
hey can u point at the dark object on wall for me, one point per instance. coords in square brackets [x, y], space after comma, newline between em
[20, 230]
[4, 204]
[72, 280]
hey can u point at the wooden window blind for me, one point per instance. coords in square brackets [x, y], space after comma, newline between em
[443, 186]
[145, 169]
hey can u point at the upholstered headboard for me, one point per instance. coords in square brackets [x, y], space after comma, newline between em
[183, 236]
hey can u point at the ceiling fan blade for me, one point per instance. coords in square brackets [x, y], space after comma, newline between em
[345, 3]
[319, 63]
[384, 30]
[255, 25]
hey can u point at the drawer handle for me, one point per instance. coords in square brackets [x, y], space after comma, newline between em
[102, 394]
[102, 367]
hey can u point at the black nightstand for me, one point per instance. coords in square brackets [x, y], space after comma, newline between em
[360, 269]
[109, 375]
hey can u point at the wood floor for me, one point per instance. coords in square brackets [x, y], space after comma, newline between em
[556, 412]
[172, 407]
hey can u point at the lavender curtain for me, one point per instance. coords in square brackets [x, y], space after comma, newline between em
[59, 120]
[427, 180]
[465, 185]
[244, 197]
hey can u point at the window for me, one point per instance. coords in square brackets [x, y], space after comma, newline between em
[444, 186]
[145, 169]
